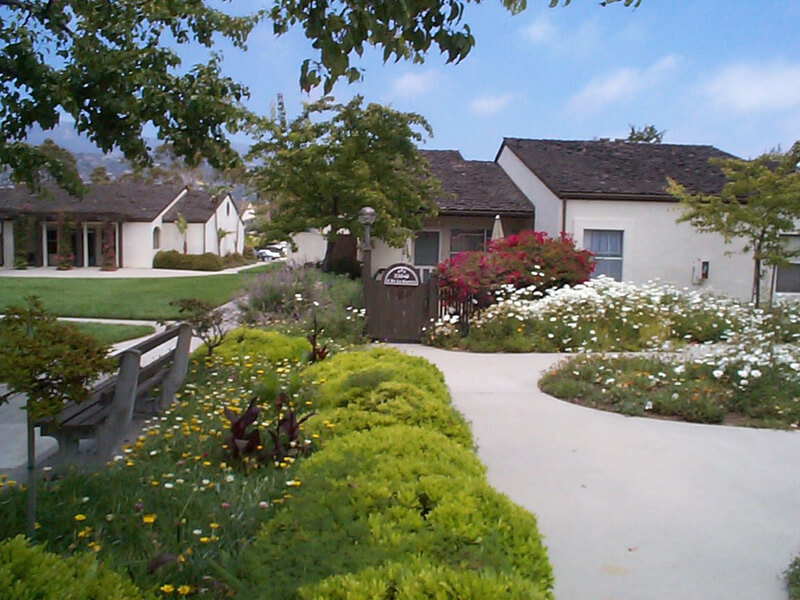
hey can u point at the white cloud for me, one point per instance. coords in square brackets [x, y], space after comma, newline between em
[414, 84]
[485, 106]
[540, 31]
[753, 87]
[621, 84]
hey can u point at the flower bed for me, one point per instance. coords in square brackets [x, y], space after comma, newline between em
[180, 510]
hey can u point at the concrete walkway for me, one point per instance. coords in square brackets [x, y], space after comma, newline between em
[633, 509]
[124, 273]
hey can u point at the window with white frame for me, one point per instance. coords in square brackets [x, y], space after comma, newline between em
[426, 249]
[606, 245]
[468, 240]
[156, 238]
[787, 279]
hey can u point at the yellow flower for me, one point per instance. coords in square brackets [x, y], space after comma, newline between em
[167, 588]
[204, 540]
[80, 517]
[148, 519]
[185, 590]
[214, 525]
[94, 546]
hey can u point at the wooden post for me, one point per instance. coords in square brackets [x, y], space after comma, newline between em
[121, 412]
[180, 363]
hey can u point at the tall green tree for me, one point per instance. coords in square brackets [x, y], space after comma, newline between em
[114, 67]
[758, 205]
[321, 168]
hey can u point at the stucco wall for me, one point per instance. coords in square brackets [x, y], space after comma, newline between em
[226, 218]
[137, 245]
[655, 246]
[548, 205]
[311, 246]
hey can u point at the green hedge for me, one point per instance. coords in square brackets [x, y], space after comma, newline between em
[403, 581]
[30, 573]
[172, 259]
[389, 495]
[259, 345]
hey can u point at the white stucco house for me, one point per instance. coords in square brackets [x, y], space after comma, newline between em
[116, 224]
[611, 197]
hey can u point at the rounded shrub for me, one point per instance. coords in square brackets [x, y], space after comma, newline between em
[391, 495]
[261, 345]
[172, 259]
[348, 376]
[393, 403]
[29, 573]
[414, 580]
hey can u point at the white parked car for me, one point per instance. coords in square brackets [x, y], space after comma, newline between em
[269, 253]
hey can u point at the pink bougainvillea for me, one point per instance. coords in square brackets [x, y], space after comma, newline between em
[521, 260]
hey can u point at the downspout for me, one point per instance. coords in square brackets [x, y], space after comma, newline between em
[563, 215]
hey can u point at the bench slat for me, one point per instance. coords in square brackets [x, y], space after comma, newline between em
[156, 340]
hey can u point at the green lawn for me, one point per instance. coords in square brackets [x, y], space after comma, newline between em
[110, 333]
[121, 298]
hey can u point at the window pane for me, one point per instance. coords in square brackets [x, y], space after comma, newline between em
[467, 241]
[426, 248]
[788, 279]
[606, 245]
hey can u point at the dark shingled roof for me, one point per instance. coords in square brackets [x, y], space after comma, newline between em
[474, 187]
[124, 201]
[619, 169]
[196, 206]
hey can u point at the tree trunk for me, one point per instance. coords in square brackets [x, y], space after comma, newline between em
[31, 483]
[757, 282]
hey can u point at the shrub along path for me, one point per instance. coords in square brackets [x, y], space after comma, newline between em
[632, 508]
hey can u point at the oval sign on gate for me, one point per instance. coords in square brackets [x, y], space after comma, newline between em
[402, 275]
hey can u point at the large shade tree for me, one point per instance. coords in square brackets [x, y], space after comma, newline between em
[320, 169]
[758, 205]
[113, 68]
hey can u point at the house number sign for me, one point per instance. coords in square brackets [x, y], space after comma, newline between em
[401, 275]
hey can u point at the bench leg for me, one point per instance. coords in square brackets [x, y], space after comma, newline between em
[67, 450]
[180, 363]
[121, 409]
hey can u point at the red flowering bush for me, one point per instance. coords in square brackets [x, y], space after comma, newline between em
[529, 258]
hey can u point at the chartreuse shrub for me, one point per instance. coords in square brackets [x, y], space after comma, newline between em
[257, 345]
[352, 375]
[395, 495]
[29, 573]
[415, 579]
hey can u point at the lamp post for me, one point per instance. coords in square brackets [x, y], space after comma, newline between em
[366, 216]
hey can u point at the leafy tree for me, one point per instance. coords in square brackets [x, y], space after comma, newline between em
[759, 203]
[53, 53]
[648, 134]
[99, 175]
[208, 322]
[51, 363]
[320, 169]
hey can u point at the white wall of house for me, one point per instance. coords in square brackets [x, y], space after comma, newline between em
[227, 219]
[548, 205]
[656, 246]
[137, 245]
[311, 247]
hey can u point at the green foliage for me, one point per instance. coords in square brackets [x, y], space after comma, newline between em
[321, 168]
[244, 345]
[172, 259]
[415, 579]
[392, 403]
[647, 134]
[205, 319]
[29, 573]
[793, 579]
[759, 203]
[391, 495]
[351, 376]
[49, 361]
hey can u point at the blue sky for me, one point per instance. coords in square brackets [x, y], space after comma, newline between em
[720, 72]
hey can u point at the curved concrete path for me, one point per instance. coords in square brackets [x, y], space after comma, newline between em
[633, 509]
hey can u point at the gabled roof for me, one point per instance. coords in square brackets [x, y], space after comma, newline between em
[619, 169]
[196, 206]
[474, 187]
[126, 201]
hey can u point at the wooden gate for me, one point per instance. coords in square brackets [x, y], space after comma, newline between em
[400, 305]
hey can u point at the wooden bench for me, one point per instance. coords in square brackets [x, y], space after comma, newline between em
[107, 414]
